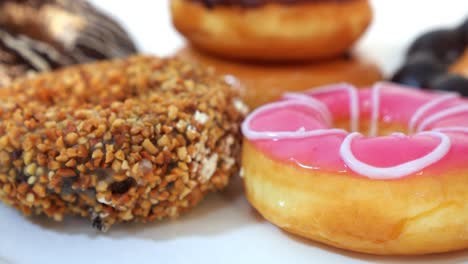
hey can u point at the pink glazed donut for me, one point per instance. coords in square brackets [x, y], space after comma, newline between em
[381, 170]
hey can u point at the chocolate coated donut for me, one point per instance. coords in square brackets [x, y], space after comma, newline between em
[21, 55]
[437, 60]
[42, 35]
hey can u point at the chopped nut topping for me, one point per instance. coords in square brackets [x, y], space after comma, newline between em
[71, 138]
[101, 186]
[148, 145]
[241, 106]
[182, 153]
[201, 117]
[209, 167]
[172, 114]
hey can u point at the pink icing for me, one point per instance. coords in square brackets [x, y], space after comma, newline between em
[298, 131]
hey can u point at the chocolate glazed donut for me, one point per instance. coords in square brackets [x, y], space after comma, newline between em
[21, 55]
[72, 26]
[437, 60]
[42, 35]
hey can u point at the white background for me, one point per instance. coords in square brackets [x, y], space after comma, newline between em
[223, 229]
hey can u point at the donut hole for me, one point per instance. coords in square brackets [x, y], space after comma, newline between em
[384, 127]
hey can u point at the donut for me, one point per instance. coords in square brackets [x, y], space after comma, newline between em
[272, 30]
[381, 170]
[41, 35]
[437, 60]
[260, 83]
[22, 56]
[137, 139]
[74, 26]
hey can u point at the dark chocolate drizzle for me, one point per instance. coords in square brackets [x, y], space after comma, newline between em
[256, 3]
[28, 45]
[100, 37]
[21, 55]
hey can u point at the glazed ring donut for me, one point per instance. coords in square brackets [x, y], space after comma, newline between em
[139, 139]
[260, 83]
[272, 30]
[401, 189]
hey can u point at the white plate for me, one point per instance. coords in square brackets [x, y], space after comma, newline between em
[223, 229]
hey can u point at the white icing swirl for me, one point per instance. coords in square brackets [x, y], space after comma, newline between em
[353, 100]
[452, 129]
[374, 126]
[299, 133]
[428, 106]
[458, 109]
[312, 102]
[397, 171]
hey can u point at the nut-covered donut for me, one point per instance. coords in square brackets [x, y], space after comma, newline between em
[381, 170]
[272, 30]
[139, 139]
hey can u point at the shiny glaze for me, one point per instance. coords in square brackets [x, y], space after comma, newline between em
[294, 131]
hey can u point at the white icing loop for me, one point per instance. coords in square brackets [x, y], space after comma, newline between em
[353, 100]
[300, 133]
[442, 114]
[398, 134]
[397, 171]
[374, 126]
[314, 103]
[452, 129]
[428, 106]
